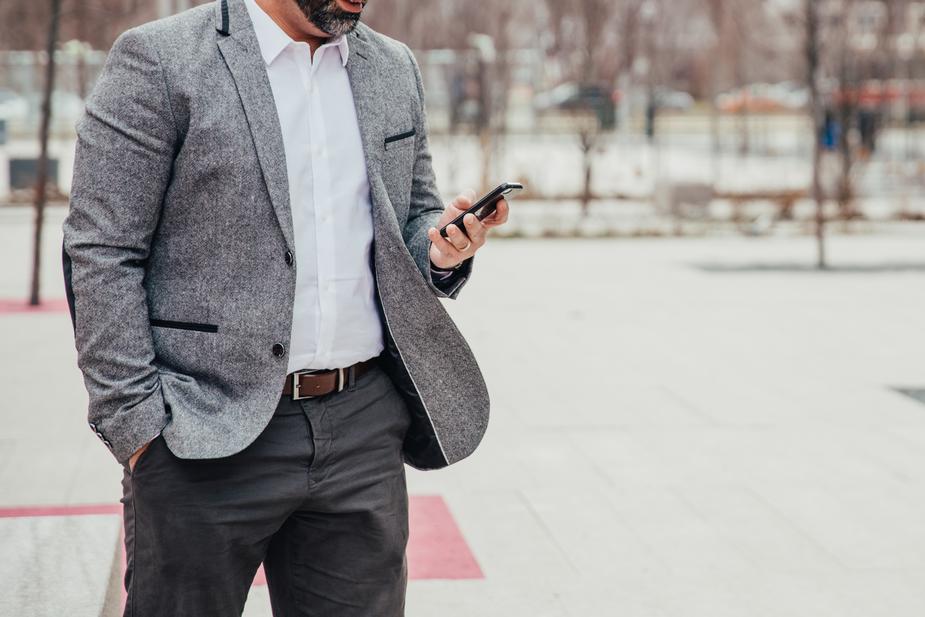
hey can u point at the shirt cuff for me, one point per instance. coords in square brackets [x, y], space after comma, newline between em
[447, 281]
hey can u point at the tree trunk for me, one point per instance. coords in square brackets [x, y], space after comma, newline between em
[80, 17]
[812, 79]
[41, 175]
[718, 19]
[715, 144]
[587, 151]
[742, 81]
[486, 144]
[847, 118]
[486, 136]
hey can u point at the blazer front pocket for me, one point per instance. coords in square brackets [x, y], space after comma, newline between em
[184, 325]
[394, 140]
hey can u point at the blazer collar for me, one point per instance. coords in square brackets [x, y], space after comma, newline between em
[238, 44]
[233, 18]
[273, 40]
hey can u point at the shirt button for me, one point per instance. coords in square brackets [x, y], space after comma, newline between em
[278, 350]
[289, 258]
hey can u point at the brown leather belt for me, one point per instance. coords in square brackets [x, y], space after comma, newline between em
[310, 384]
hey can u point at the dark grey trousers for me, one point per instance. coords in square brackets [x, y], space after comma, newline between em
[319, 498]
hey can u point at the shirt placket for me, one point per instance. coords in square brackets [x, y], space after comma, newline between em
[323, 214]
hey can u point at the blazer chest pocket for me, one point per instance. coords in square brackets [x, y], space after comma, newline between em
[398, 169]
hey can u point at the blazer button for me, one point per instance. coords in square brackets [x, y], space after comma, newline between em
[278, 350]
[289, 258]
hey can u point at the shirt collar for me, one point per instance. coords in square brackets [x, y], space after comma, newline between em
[273, 40]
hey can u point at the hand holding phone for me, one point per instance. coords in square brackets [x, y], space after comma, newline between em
[484, 207]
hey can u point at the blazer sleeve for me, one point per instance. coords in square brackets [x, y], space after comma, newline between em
[126, 144]
[426, 204]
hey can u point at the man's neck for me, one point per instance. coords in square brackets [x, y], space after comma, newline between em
[291, 20]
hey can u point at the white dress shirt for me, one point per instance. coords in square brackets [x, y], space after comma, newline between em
[335, 319]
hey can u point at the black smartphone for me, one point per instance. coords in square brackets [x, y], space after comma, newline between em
[484, 207]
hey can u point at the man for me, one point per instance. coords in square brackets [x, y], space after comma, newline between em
[253, 266]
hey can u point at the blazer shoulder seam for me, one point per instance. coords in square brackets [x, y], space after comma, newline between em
[416, 71]
[158, 57]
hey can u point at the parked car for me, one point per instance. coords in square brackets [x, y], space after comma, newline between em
[12, 105]
[674, 100]
[577, 98]
[761, 97]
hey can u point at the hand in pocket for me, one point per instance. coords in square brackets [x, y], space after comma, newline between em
[133, 459]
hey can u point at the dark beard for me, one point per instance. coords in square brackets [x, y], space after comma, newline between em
[328, 18]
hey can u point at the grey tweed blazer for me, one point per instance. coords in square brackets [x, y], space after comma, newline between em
[175, 247]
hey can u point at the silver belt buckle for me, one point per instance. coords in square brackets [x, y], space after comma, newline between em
[296, 395]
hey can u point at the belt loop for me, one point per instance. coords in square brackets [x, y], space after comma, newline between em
[352, 378]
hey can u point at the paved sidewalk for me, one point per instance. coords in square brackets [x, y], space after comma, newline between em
[681, 428]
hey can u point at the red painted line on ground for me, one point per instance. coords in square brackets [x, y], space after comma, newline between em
[14, 307]
[82, 510]
[436, 547]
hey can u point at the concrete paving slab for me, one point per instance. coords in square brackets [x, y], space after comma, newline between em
[55, 566]
[866, 527]
[592, 534]
[736, 512]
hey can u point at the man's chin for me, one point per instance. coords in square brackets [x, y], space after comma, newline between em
[334, 21]
[343, 27]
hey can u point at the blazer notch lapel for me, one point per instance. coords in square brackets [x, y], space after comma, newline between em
[364, 83]
[241, 53]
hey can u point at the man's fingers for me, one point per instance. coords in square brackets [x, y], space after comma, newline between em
[457, 238]
[460, 245]
[444, 246]
[455, 208]
[476, 230]
[499, 216]
[464, 200]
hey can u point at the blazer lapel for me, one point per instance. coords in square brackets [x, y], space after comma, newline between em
[369, 93]
[364, 82]
[241, 51]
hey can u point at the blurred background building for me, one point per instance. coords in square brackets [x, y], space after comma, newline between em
[641, 117]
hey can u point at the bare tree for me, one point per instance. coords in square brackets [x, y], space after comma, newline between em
[588, 43]
[55, 16]
[812, 56]
[716, 9]
[845, 102]
[41, 175]
[97, 22]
